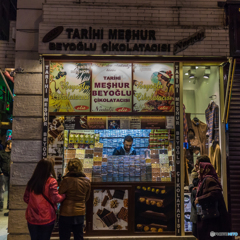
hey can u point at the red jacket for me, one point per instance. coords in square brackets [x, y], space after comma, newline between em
[39, 210]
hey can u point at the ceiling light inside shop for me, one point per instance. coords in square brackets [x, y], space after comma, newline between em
[196, 67]
[192, 76]
[206, 76]
[192, 72]
[186, 73]
[207, 72]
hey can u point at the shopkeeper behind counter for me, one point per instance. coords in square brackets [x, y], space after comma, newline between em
[126, 148]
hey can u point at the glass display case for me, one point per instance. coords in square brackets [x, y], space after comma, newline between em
[95, 150]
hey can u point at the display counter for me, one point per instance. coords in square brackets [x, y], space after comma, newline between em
[95, 148]
[131, 207]
[129, 193]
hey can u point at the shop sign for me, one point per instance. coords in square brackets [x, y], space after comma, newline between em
[153, 87]
[135, 123]
[117, 40]
[170, 122]
[45, 110]
[51, 35]
[153, 122]
[177, 151]
[69, 85]
[111, 87]
[185, 43]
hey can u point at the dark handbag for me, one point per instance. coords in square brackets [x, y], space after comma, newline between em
[209, 209]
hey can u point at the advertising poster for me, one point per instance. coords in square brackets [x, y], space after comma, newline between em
[153, 87]
[96, 122]
[153, 122]
[55, 136]
[118, 122]
[69, 87]
[75, 122]
[111, 87]
[110, 209]
[135, 123]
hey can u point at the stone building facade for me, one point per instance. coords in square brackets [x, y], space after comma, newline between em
[173, 21]
[7, 49]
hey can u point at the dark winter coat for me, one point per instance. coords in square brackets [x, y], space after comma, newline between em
[5, 159]
[211, 191]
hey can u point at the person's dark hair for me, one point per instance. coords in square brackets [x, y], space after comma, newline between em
[74, 165]
[203, 158]
[61, 74]
[8, 142]
[42, 172]
[166, 75]
[128, 138]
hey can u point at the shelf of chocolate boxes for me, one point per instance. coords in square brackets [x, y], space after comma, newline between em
[157, 166]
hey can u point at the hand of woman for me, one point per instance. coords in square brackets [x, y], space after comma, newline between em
[196, 201]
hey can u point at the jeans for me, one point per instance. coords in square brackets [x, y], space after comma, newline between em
[40, 232]
[4, 186]
[71, 224]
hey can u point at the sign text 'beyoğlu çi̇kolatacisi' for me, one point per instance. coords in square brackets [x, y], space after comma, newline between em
[113, 34]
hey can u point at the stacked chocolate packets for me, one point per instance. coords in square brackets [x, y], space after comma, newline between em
[165, 165]
[97, 162]
[126, 170]
[143, 169]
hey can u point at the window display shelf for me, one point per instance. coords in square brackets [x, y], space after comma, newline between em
[142, 183]
[133, 147]
[123, 137]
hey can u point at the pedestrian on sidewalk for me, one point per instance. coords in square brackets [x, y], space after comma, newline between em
[5, 162]
[42, 195]
[212, 213]
[193, 190]
[76, 186]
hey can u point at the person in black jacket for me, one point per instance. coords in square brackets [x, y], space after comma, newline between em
[193, 190]
[5, 160]
[126, 148]
[214, 218]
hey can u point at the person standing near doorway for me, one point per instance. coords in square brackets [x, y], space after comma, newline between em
[5, 160]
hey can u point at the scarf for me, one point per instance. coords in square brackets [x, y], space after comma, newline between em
[207, 170]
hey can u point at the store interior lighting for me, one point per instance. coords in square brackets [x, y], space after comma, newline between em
[192, 72]
[207, 73]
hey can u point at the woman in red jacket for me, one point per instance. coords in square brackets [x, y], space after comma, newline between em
[41, 195]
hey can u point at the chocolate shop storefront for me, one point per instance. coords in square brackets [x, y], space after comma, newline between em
[102, 84]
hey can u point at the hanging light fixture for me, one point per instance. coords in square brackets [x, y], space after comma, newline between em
[192, 72]
[207, 72]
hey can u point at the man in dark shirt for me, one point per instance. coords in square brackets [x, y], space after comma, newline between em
[126, 148]
[5, 160]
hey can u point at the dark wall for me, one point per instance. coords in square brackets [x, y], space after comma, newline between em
[8, 9]
[234, 28]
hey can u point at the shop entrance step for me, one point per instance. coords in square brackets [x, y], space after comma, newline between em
[157, 237]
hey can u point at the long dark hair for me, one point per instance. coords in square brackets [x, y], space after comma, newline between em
[43, 170]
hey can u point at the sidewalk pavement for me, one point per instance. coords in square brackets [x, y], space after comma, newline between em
[4, 220]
